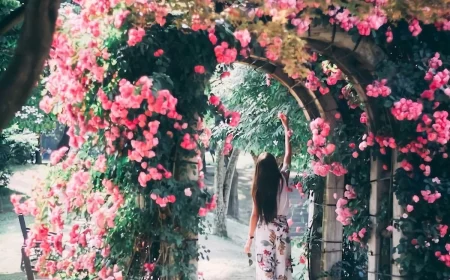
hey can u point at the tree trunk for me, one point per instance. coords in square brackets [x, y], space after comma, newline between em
[220, 226]
[32, 49]
[231, 168]
[223, 192]
[233, 205]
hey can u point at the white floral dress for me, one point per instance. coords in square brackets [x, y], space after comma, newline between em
[272, 243]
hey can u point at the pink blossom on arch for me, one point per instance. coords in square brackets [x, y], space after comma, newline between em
[187, 192]
[406, 109]
[243, 36]
[414, 27]
[214, 100]
[378, 88]
[199, 69]
[409, 208]
[338, 169]
[389, 35]
[135, 36]
[57, 155]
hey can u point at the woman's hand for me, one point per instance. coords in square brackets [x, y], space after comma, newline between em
[284, 120]
[247, 246]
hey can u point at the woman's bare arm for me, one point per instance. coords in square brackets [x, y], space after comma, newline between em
[287, 143]
[253, 221]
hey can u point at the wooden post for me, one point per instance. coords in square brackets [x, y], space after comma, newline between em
[332, 229]
[397, 212]
[315, 245]
[380, 181]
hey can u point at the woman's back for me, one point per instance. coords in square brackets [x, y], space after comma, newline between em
[283, 195]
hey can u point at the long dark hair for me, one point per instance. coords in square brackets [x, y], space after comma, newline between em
[266, 185]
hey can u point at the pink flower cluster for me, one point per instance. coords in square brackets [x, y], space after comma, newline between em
[406, 109]
[378, 88]
[319, 148]
[224, 54]
[135, 36]
[208, 207]
[156, 174]
[302, 25]
[344, 214]
[243, 36]
[163, 201]
[349, 192]
[437, 127]
[312, 82]
[414, 27]
[334, 77]
[358, 236]
[430, 197]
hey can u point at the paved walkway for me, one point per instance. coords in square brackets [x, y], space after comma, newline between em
[226, 258]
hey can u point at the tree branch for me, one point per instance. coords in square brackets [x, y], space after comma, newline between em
[11, 20]
[32, 50]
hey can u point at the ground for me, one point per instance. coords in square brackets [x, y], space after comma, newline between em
[227, 261]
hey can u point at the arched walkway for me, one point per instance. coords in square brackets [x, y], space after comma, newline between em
[358, 61]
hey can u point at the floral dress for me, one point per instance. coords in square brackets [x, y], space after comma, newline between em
[272, 243]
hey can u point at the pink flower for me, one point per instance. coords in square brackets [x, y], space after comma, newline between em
[56, 156]
[389, 35]
[225, 75]
[290, 222]
[202, 212]
[224, 54]
[337, 116]
[363, 118]
[415, 28]
[355, 154]
[199, 69]
[235, 118]
[338, 169]
[416, 198]
[378, 88]
[329, 149]
[187, 192]
[135, 36]
[406, 109]
[409, 208]
[150, 267]
[442, 230]
[320, 168]
[324, 90]
[214, 100]
[297, 229]
[158, 53]
[212, 38]
[243, 36]
[390, 228]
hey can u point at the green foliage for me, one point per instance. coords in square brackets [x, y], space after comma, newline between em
[8, 40]
[259, 99]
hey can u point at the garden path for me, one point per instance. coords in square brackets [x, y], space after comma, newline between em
[226, 259]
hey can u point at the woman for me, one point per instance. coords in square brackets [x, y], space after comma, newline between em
[268, 222]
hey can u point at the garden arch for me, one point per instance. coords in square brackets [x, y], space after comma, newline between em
[358, 60]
